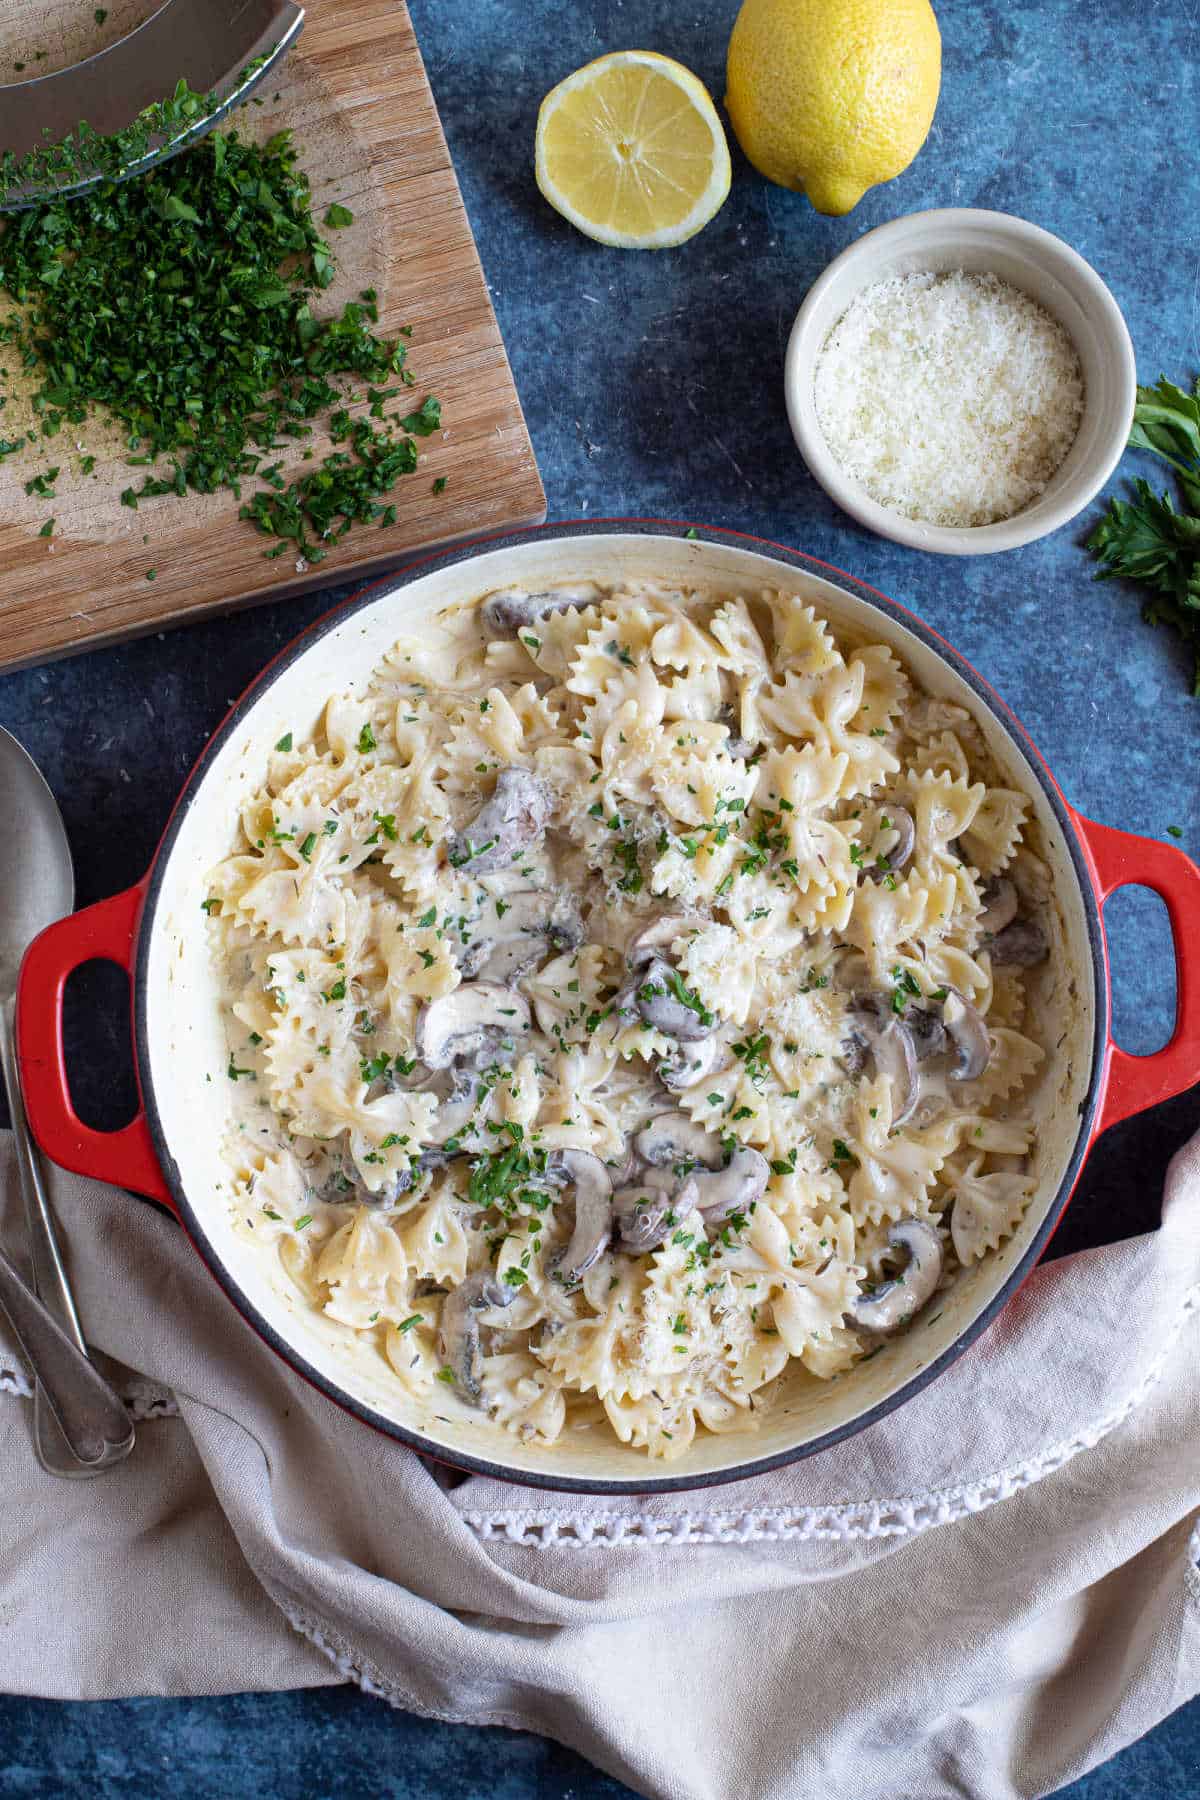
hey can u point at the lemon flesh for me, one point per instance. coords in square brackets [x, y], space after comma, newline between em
[631, 150]
[831, 97]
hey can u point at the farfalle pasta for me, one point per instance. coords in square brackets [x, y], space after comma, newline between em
[626, 997]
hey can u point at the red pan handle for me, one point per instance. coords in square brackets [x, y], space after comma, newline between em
[1120, 859]
[102, 933]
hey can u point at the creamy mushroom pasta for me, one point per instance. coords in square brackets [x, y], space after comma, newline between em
[625, 1000]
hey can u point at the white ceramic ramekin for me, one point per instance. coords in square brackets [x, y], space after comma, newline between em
[1043, 267]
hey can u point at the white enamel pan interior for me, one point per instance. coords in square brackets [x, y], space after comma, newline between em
[183, 1055]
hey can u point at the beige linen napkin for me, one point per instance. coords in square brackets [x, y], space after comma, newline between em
[984, 1595]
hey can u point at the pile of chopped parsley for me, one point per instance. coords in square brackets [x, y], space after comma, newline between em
[181, 303]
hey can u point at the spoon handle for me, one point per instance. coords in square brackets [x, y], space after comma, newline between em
[59, 1452]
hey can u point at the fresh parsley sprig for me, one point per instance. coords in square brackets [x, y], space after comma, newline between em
[1145, 539]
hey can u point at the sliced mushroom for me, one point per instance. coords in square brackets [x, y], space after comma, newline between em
[508, 609]
[511, 822]
[527, 922]
[477, 1016]
[660, 1007]
[459, 1332]
[511, 957]
[735, 745]
[344, 1186]
[734, 1189]
[895, 1302]
[892, 1047]
[689, 1063]
[659, 934]
[927, 1031]
[643, 1215]
[593, 1213]
[999, 898]
[454, 1114]
[968, 1033]
[899, 820]
[895, 1055]
[539, 912]
[672, 1138]
[1020, 945]
[623, 1169]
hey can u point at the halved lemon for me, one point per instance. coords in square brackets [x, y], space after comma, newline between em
[630, 149]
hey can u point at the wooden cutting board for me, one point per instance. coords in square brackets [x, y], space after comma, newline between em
[355, 93]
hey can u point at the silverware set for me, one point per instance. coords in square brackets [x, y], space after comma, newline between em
[81, 1427]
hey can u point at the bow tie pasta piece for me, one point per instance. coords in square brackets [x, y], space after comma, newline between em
[742, 650]
[710, 791]
[721, 967]
[522, 1395]
[364, 1270]
[943, 808]
[940, 755]
[991, 840]
[495, 731]
[433, 1236]
[553, 642]
[889, 1176]
[271, 1191]
[916, 912]
[803, 640]
[986, 1209]
[884, 692]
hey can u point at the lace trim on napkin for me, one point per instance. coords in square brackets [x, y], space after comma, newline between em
[351, 1665]
[559, 1529]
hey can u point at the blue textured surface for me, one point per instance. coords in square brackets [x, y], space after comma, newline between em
[652, 386]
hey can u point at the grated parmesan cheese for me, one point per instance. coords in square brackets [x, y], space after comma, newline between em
[949, 398]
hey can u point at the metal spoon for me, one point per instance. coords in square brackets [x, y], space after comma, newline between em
[80, 1425]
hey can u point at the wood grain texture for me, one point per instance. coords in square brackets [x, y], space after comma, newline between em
[356, 95]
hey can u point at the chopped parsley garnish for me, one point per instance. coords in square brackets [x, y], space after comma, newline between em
[631, 878]
[285, 742]
[412, 1319]
[906, 987]
[366, 741]
[687, 998]
[181, 303]
[752, 1053]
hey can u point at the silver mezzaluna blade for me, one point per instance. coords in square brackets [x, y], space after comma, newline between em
[222, 48]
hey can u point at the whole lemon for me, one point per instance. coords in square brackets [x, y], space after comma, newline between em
[831, 96]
